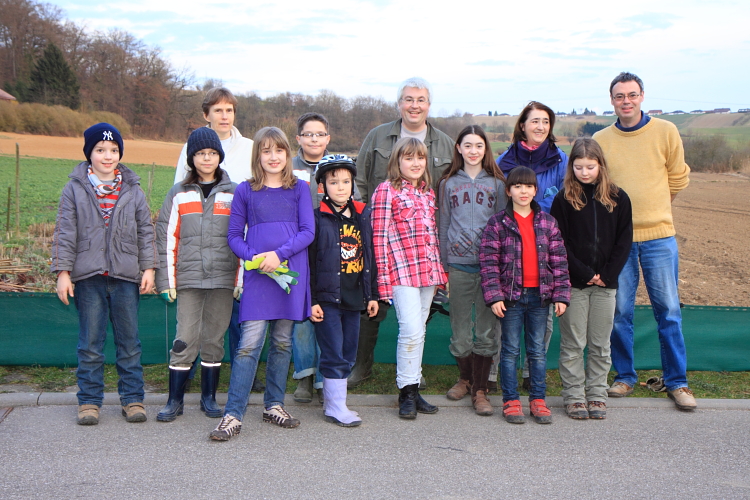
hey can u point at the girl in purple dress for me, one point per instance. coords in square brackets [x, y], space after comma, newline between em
[271, 218]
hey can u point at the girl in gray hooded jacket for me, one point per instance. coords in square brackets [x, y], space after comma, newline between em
[470, 192]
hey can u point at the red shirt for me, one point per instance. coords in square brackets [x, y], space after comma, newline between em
[529, 259]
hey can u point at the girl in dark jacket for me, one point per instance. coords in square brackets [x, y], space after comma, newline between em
[595, 219]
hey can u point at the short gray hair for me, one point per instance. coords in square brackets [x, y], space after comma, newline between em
[417, 83]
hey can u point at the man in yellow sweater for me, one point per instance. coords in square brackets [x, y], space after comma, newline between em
[646, 159]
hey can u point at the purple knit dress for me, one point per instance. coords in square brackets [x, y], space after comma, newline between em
[279, 220]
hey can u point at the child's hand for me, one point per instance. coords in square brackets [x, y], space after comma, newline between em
[560, 309]
[270, 261]
[596, 280]
[372, 308]
[317, 314]
[237, 293]
[498, 309]
[147, 281]
[64, 287]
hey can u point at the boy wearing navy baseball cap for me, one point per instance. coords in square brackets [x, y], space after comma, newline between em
[104, 255]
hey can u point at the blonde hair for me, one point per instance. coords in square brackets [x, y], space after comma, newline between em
[606, 190]
[407, 146]
[274, 137]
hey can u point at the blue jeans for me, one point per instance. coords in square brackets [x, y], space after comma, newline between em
[338, 337]
[306, 352]
[660, 263]
[246, 364]
[100, 299]
[527, 315]
[235, 330]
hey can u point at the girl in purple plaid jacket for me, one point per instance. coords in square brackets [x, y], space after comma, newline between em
[405, 244]
[524, 268]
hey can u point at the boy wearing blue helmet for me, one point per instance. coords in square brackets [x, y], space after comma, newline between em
[342, 280]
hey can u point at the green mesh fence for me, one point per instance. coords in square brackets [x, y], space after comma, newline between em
[37, 329]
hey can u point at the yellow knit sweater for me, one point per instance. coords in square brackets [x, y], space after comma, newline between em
[649, 164]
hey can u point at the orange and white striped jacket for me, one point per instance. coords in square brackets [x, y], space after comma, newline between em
[191, 236]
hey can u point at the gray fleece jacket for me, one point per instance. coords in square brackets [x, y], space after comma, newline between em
[85, 246]
[466, 205]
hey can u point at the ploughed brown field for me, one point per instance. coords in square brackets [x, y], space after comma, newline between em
[712, 217]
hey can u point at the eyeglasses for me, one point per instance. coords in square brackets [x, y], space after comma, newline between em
[310, 135]
[621, 97]
[210, 154]
[410, 100]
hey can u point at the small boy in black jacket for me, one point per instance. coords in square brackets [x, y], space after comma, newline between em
[342, 281]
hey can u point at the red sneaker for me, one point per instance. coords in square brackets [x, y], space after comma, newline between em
[513, 413]
[540, 412]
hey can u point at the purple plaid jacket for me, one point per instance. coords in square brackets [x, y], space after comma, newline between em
[500, 258]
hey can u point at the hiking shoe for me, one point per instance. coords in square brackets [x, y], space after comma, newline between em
[134, 412]
[228, 427]
[459, 390]
[279, 416]
[482, 404]
[304, 391]
[683, 399]
[88, 415]
[513, 413]
[540, 412]
[597, 410]
[577, 411]
[619, 390]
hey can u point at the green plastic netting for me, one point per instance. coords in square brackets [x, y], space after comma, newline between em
[37, 329]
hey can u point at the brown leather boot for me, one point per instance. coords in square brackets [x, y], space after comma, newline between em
[481, 367]
[463, 386]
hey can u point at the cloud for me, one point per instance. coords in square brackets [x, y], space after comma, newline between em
[492, 62]
[650, 21]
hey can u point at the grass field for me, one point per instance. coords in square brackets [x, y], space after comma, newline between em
[42, 180]
[725, 385]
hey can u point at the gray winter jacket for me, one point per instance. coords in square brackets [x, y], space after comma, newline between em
[85, 246]
[466, 205]
[191, 234]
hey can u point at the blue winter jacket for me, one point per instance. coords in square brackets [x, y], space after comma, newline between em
[325, 256]
[549, 163]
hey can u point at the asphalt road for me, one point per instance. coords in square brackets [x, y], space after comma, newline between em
[644, 449]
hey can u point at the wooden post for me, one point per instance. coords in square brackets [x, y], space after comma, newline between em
[7, 218]
[150, 183]
[18, 192]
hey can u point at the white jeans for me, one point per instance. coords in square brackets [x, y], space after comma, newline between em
[412, 306]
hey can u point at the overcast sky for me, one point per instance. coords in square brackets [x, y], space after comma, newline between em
[478, 56]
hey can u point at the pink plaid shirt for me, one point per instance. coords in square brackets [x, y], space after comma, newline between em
[405, 238]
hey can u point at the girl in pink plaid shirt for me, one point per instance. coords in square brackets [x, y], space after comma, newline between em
[408, 260]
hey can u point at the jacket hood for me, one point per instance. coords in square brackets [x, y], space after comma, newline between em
[543, 158]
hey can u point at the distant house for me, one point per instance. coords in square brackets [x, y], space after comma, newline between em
[696, 112]
[722, 110]
[655, 112]
[561, 113]
[503, 114]
[6, 97]
[677, 112]
[743, 110]
[608, 113]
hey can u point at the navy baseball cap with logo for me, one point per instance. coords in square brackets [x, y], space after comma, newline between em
[100, 132]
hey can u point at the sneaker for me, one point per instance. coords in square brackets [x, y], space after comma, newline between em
[228, 427]
[88, 415]
[577, 411]
[279, 416]
[513, 413]
[540, 412]
[597, 410]
[134, 412]
[619, 390]
[683, 399]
